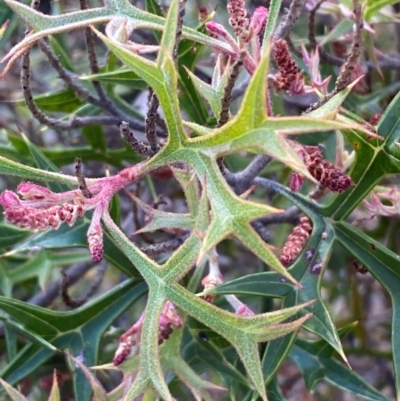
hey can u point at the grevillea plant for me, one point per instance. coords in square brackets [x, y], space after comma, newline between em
[195, 320]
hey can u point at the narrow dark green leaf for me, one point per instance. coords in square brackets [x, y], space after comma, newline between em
[267, 284]
[120, 77]
[315, 367]
[94, 134]
[11, 235]
[65, 101]
[384, 265]
[46, 164]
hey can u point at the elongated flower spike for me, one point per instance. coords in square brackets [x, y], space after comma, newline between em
[324, 171]
[289, 78]
[238, 20]
[296, 241]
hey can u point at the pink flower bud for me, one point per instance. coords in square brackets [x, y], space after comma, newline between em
[258, 20]
[296, 181]
[95, 241]
[217, 29]
[209, 282]
[169, 318]
[31, 191]
[244, 310]
[129, 342]
[238, 20]
[9, 199]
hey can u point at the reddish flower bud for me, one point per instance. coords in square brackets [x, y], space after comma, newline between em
[203, 14]
[296, 181]
[288, 72]
[217, 29]
[374, 120]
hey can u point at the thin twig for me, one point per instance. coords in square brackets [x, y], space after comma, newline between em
[81, 179]
[94, 67]
[242, 180]
[288, 21]
[344, 78]
[74, 121]
[181, 15]
[137, 145]
[51, 292]
[290, 215]
[292, 47]
[163, 247]
[151, 124]
[80, 91]
[227, 97]
[94, 285]
[311, 25]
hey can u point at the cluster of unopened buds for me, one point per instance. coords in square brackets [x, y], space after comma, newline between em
[247, 30]
[129, 342]
[40, 209]
[322, 170]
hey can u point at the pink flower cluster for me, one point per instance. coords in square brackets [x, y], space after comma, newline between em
[41, 209]
[247, 31]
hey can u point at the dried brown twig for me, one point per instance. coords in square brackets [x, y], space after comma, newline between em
[343, 79]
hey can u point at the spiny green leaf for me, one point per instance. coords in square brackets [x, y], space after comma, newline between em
[384, 265]
[48, 25]
[168, 39]
[273, 15]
